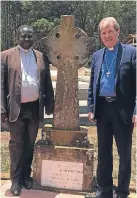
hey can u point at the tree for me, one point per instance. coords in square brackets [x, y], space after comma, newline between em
[11, 19]
[87, 16]
[41, 28]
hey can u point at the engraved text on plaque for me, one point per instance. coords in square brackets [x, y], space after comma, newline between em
[62, 174]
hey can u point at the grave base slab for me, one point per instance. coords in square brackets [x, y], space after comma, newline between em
[62, 168]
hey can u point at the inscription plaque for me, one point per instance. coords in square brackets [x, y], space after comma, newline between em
[61, 174]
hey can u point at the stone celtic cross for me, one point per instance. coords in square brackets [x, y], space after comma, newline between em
[67, 48]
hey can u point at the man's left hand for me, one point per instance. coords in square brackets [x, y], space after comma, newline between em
[134, 120]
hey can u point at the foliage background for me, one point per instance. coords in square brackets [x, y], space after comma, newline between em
[44, 15]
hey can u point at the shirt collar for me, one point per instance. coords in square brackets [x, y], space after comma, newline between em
[113, 48]
[24, 50]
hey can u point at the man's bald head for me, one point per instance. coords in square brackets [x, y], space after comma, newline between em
[23, 27]
[25, 36]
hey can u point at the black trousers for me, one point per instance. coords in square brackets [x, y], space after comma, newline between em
[23, 133]
[109, 124]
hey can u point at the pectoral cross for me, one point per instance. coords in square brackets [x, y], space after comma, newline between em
[108, 73]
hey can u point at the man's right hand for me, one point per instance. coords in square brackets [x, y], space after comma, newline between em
[3, 117]
[91, 117]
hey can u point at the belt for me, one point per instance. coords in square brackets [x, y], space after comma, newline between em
[110, 99]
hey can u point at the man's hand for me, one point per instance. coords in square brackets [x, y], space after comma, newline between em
[3, 117]
[134, 120]
[91, 117]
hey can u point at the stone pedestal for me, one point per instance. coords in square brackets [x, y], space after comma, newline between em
[66, 137]
[63, 161]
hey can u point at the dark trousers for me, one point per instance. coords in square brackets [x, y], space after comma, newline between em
[109, 124]
[23, 133]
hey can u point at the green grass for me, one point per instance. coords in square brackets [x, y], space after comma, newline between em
[5, 159]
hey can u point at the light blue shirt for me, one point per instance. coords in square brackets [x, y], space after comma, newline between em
[30, 80]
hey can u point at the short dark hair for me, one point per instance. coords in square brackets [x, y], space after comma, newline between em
[23, 26]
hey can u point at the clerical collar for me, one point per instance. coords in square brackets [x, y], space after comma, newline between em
[113, 48]
[24, 50]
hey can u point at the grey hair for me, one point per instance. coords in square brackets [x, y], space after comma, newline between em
[107, 21]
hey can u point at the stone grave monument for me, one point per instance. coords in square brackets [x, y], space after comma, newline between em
[63, 157]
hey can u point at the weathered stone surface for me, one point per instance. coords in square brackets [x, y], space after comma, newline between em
[67, 42]
[81, 159]
[67, 49]
[66, 137]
